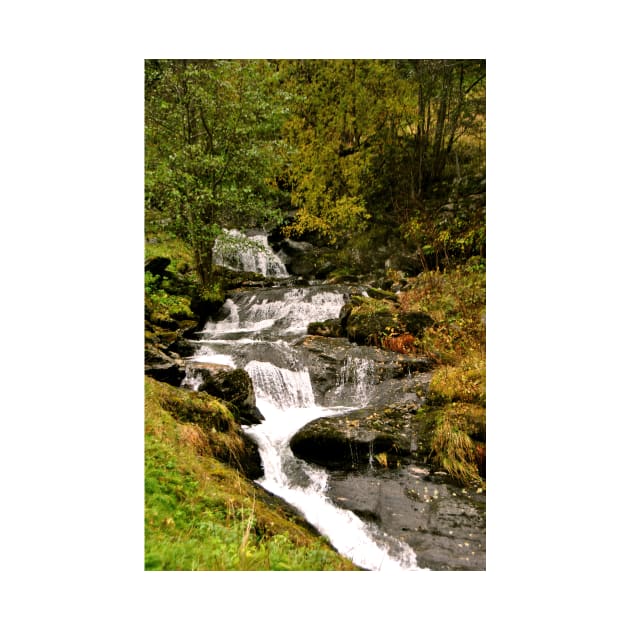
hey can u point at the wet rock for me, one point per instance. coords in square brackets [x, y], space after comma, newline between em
[365, 437]
[161, 367]
[443, 524]
[250, 462]
[345, 373]
[182, 345]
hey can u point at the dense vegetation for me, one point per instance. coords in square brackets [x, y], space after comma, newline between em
[328, 149]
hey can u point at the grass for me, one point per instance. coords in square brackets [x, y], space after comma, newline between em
[201, 513]
[465, 382]
[458, 441]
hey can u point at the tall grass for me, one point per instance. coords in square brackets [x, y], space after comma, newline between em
[454, 450]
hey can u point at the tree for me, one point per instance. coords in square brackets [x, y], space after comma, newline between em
[329, 132]
[432, 153]
[212, 147]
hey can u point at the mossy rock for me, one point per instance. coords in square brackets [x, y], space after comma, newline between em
[206, 302]
[163, 321]
[157, 265]
[367, 328]
[381, 294]
[224, 436]
[415, 322]
[327, 328]
[355, 439]
[233, 386]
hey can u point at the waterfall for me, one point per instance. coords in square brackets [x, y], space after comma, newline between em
[251, 332]
[281, 387]
[355, 380]
[239, 252]
[288, 311]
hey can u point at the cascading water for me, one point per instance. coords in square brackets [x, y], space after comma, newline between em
[355, 380]
[251, 332]
[247, 253]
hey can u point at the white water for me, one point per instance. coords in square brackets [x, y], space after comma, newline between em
[366, 546]
[236, 251]
[290, 309]
[356, 379]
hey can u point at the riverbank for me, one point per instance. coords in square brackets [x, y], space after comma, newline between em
[202, 513]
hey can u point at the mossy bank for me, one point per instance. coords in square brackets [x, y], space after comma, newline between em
[201, 511]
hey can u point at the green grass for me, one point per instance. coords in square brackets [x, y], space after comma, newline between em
[202, 514]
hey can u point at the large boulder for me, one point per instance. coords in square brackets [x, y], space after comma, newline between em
[231, 385]
[345, 373]
[366, 437]
[223, 437]
[366, 319]
[442, 523]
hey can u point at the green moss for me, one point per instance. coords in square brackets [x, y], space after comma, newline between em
[161, 243]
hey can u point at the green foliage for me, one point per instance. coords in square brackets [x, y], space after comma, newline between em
[331, 120]
[162, 304]
[391, 142]
[349, 144]
[212, 147]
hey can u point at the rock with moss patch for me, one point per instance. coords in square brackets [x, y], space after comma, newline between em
[233, 386]
[157, 265]
[364, 326]
[376, 436]
[327, 328]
